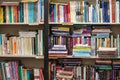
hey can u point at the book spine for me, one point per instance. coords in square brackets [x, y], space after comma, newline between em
[69, 12]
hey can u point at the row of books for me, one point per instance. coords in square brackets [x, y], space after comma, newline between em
[103, 69]
[83, 11]
[23, 12]
[12, 70]
[86, 41]
[27, 43]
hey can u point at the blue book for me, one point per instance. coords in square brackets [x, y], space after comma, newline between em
[0, 39]
[101, 35]
[28, 75]
[85, 11]
[107, 13]
[30, 12]
[103, 11]
[55, 13]
[94, 13]
[42, 9]
[21, 15]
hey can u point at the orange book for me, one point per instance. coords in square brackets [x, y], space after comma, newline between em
[14, 46]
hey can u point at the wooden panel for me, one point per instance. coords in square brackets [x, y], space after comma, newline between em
[14, 29]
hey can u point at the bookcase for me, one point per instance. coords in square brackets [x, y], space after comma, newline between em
[83, 39]
[22, 38]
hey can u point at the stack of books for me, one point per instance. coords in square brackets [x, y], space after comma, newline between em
[116, 64]
[102, 51]
[85, 31]
[63, 31]
[101, 31]
[58, 50]
[103, 64]
[81, 50]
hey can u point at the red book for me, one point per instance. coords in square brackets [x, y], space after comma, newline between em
[88, 41]
[65, 13]
[113, 10]
[69, 18]
[41, 75]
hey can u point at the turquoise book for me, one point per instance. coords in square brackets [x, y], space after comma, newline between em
[30, 12]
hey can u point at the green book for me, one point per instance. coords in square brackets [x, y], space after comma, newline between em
[20, 69]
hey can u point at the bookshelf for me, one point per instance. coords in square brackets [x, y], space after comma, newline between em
[21, 40]
[77, 53]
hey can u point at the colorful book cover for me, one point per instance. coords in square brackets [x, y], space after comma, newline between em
[30, 12]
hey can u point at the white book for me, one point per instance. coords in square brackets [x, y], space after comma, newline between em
[107, 49]
[117, 12]
[7, 71]
[96, 76]
[58, 52]
[61, 7]
[30, 46]
[60, 40]
[41, 35]
[26, 12]
[72, 11]
[79, 72]
[90, 13]
[93, 46]
[97, 10]
[18, 46]
[38, 11]
[27, 33]
[22, 46]
[84, 75]
[40, 42]
[36, 74]
[7, 14]
[110, 7]
[83, 4]
[77, 7]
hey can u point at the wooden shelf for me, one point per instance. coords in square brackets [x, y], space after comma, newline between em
[86, 57]
[84, 23]
[22, 56]
[22, 23]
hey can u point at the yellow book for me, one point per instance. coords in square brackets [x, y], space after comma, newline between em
[1, 14]
[100, 42]
[28, 0]
[63, 28]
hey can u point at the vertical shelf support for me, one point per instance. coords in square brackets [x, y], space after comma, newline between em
[46, 25]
